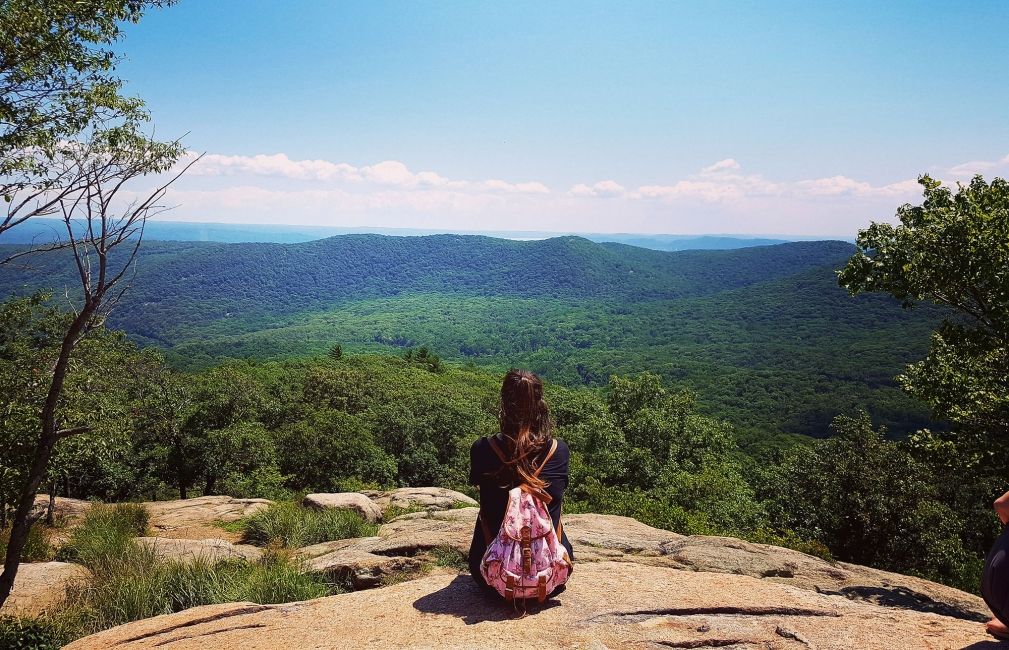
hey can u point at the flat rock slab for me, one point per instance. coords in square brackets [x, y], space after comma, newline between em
[607, 605]
[423, 498]
[211, 550]
[422, 531]
[364, 569]
[611, 533]
[182, 513]
[730, 555]
[68, 509]
[41, 586]
[353, 501]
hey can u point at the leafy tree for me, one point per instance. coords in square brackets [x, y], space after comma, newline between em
[336, 352]
[424, 358]
[240, 460]
[162, 403]
[58, 96]
[330, 448]
[68, 144]
[952, 250]
[871, 502]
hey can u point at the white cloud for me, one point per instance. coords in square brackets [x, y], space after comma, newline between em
[608, 189]
[720, 166]
[387, 172]
[720, 197]
[974, 167]
[521, 188]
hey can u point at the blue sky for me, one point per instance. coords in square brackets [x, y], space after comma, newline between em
[773, 117]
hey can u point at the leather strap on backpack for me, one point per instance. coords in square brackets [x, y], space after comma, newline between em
[487, 536]
[550, 454]
[497, 449]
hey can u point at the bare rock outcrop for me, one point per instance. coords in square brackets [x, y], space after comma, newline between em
[40, 586]
[63, 508]
[397, 548]
[422, 498]
[201, 511]
[612, 538]
[607, 605]
[730, 555]
[211, 550]
[353, 501]
[352, 559]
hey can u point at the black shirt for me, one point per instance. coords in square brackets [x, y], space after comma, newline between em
[484, 465]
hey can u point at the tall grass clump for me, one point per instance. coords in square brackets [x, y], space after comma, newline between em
[141, 585]
[292, 526]
[278, 579]
[105, 535]
[37, 547]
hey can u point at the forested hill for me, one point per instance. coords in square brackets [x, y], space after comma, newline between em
[199, 283]
[764, 334]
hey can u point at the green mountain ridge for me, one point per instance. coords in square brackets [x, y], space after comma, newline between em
[763, 334]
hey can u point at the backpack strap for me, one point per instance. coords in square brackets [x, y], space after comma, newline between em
[487, 536]
[550, 454]
[497, 449]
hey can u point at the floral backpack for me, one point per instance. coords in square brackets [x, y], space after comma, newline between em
[526, 559]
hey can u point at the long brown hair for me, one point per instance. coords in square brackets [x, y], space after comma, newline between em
[526, 427]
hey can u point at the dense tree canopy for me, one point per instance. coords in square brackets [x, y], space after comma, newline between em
[952, 250]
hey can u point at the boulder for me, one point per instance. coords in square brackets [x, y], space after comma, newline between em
[422, 531]
[350, 559]
[354, 501]
[396, 548]
[607, 605]
[184, 513]
[421, 498]
[41, 586]
[608, 536]
[212, 550]
[64, 508]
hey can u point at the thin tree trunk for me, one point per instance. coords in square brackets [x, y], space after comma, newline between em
[52, 503]
[48, 437]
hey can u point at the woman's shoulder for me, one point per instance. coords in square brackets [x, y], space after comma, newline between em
[562, 447]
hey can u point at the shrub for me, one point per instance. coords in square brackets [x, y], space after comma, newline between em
[30, 634]
[292, 526]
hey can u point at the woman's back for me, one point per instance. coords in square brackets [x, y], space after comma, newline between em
[518, 455]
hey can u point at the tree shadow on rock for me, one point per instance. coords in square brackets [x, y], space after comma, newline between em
[464, 599]
[904, 598]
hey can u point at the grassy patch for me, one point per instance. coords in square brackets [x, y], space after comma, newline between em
[392, 512]
[37, 546]
[446, 556]
[286, 525]
[237, 526]
[139, 585]
[105, 534]
[278, 579]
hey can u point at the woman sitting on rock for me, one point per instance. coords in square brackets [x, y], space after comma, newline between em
[523, 453]
[995, 577]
